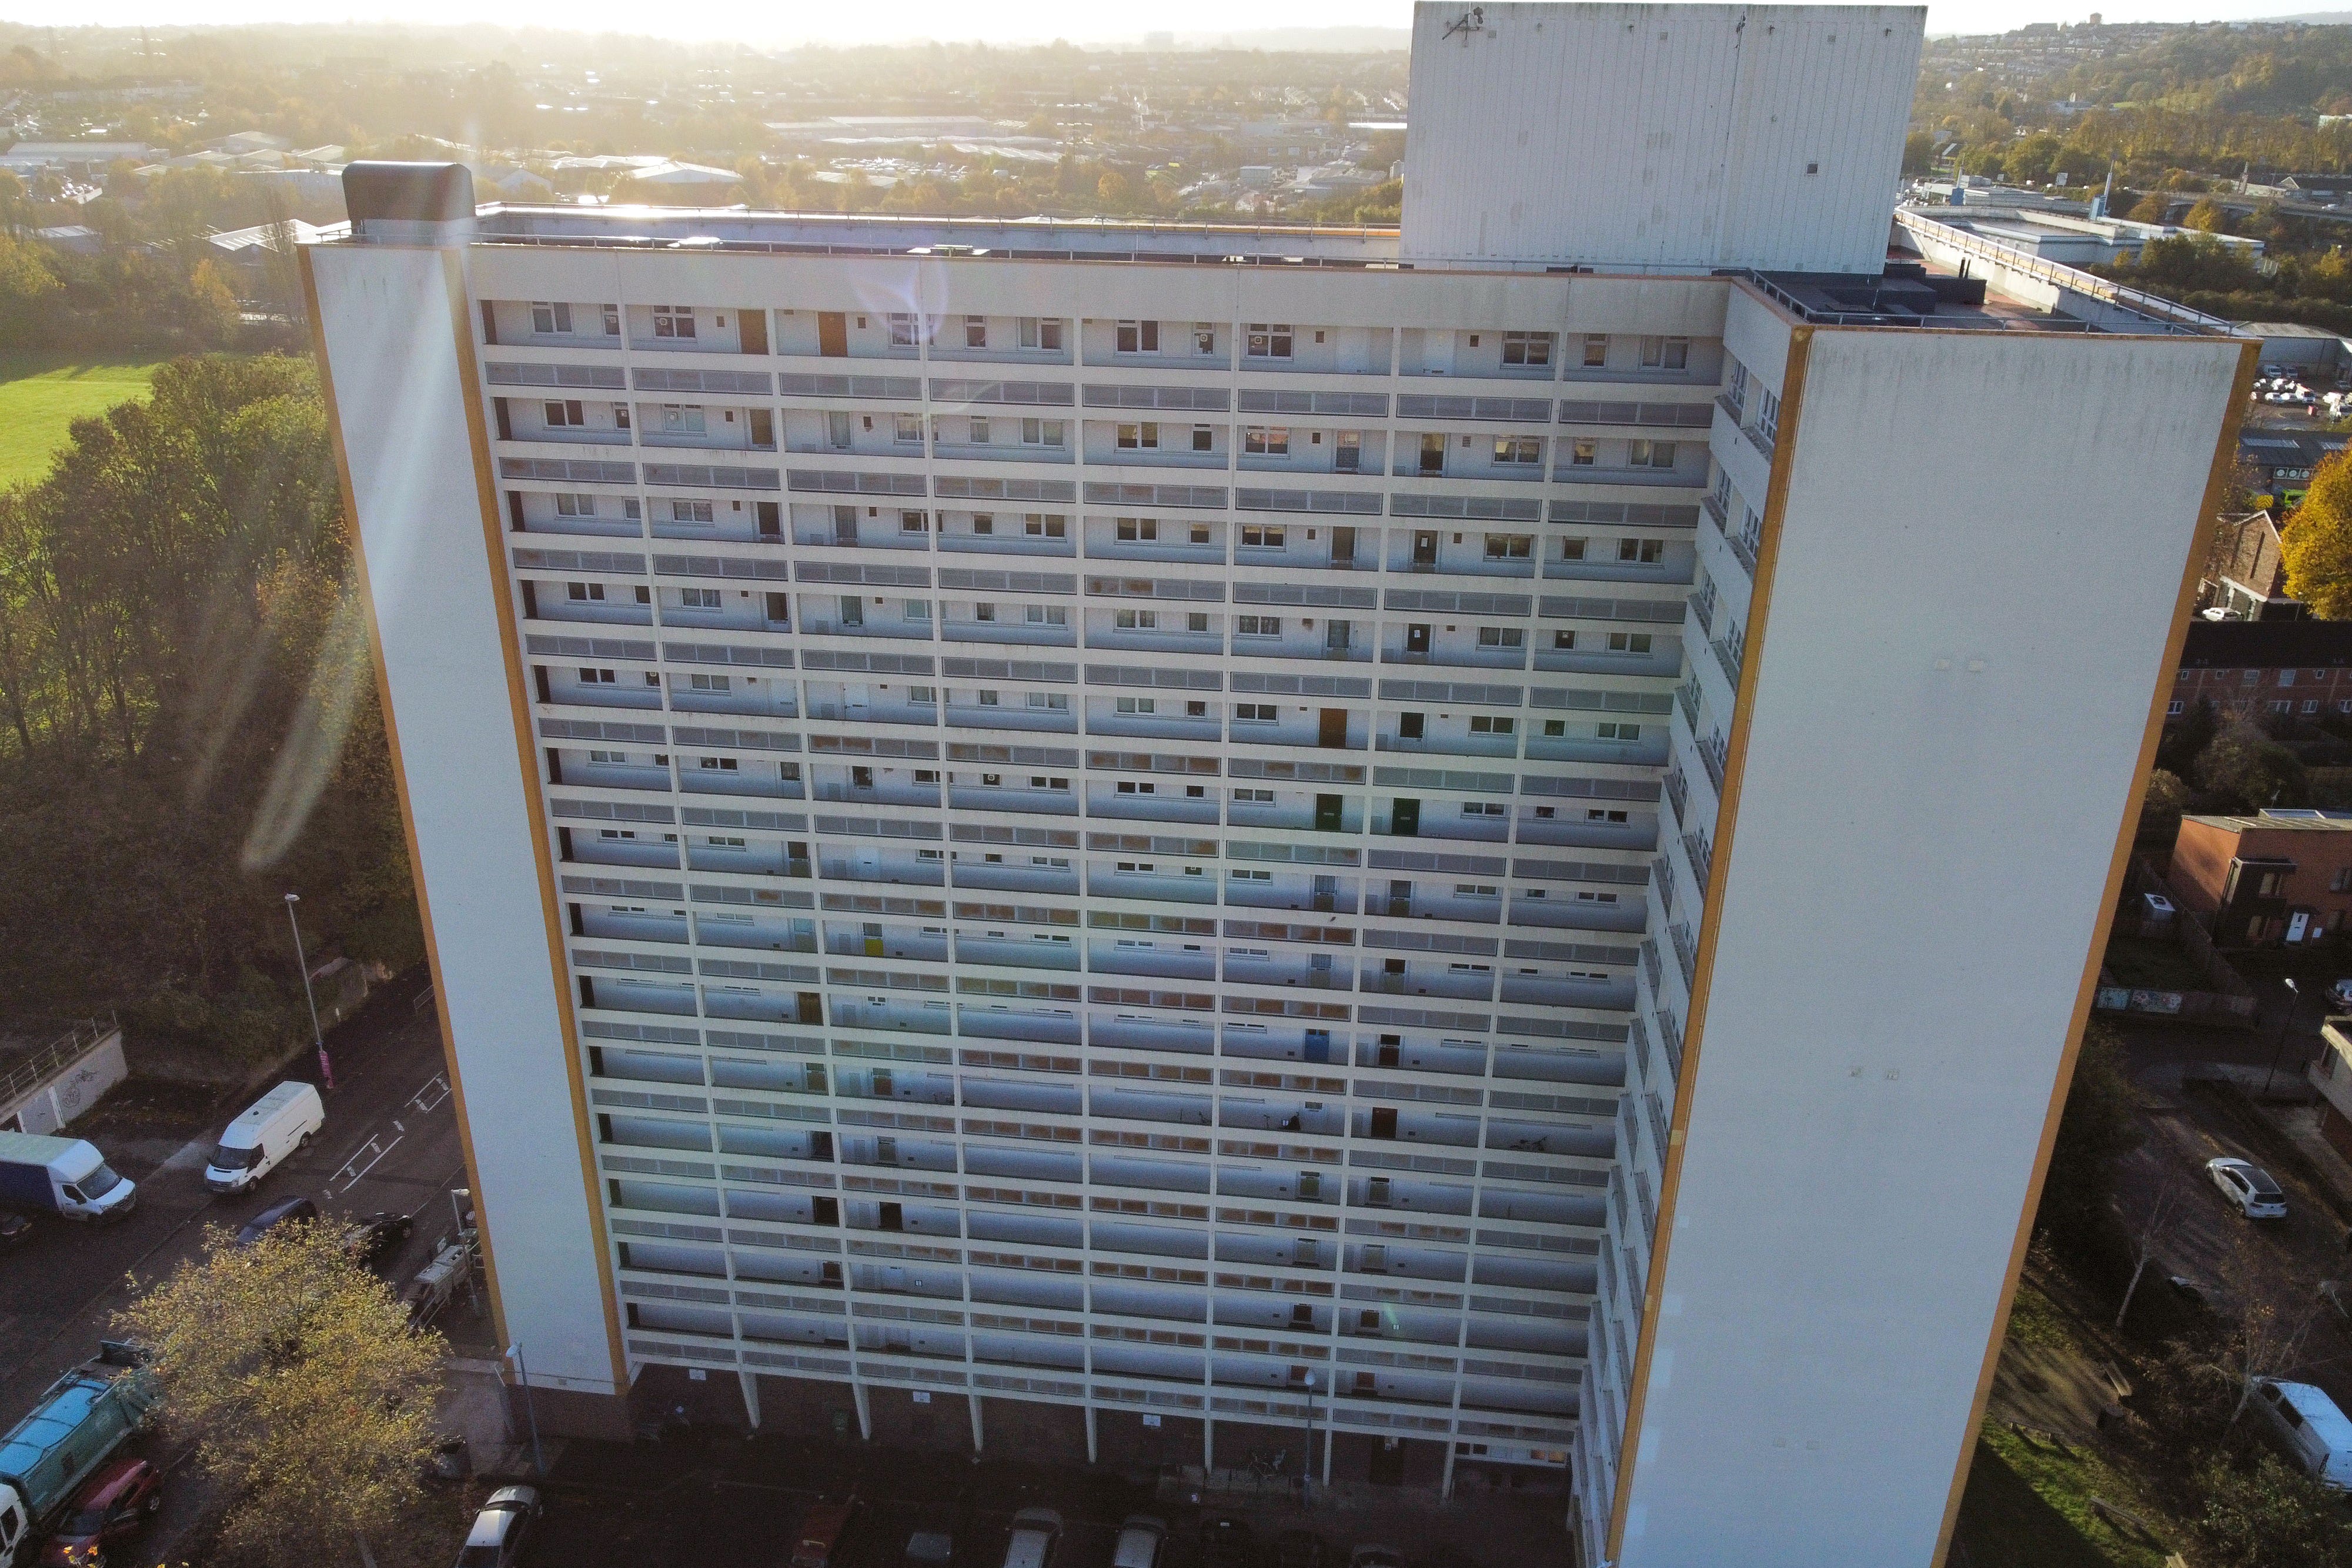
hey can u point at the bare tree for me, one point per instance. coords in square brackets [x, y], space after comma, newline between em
[2269, 1319]
[2155, 1215]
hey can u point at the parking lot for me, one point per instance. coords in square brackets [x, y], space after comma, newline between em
[720, 1501]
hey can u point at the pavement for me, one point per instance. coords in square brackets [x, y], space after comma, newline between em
[390, 1142]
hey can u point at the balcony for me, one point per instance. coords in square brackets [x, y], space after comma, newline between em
[1014, 632]
[1166, 805]
[996, 715]
[1161, 957]
[1154, 725]
[1010, 875]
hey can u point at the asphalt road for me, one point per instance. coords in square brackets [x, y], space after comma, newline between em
[390, 1142]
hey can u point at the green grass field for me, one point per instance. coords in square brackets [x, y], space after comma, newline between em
[42, 393]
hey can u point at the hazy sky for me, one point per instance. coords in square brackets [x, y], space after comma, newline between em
[996, 20]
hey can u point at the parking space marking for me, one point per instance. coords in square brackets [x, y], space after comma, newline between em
[372, 1153]
[428, 1099]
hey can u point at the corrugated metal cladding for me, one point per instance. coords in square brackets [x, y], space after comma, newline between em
[1667, 136]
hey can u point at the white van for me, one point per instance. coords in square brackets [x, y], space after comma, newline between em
[2314, 1431]
[1141, 1541]
[273, 1127]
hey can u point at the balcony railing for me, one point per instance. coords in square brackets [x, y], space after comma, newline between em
[1701, 854]
[1678, 791]
[1685, 952]
[1715, 754]
[1730, 656]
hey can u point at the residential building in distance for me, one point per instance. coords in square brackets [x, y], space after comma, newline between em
[2277, 878]
[2245, 575]
[1134, 837]
[2332, 1076]
[2263, 669]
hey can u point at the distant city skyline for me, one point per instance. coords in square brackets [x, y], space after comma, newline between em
[1033, 22]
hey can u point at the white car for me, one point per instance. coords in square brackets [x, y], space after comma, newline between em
[2340, 993]
[499, 1530]
[2249, 1188]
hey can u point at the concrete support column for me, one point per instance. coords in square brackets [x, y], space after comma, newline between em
[1208, 1445]
[1093, 1449]
[750, 1395]
[974, 1400]
[864, 1412]
[1445, 1488]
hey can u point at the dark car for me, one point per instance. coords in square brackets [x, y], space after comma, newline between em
[110, 1506]
[285, 1212]
[14, 1227]
[1227, 1543]
[1300, 1549]
[822, 1528]
[374, 1240]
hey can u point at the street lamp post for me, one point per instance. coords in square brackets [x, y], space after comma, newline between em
[2295, 999]
[317, 1035]
[538, 1465]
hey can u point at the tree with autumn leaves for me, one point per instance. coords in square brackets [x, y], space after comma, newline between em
[310, 1403]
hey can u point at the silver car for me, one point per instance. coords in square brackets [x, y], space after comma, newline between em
[2249, 1188]
[500, 1529]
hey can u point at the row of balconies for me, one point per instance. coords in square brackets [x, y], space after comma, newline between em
[1220, 347]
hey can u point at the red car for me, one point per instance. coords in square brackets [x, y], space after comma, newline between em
[112, 1506]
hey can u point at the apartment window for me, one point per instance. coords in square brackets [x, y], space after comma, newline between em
[1411, 726]
[1526, 348]
[1583, 454]
[1665, 353]
[1488, 724]
[1518, 450]
[906, 429]
[1614, 729]
[711, 682]
[1136, 620]
[2310, 704]
[1198, 620]
[1257, 713]
[584, 592]
[1642, 552]
[1629, 642]
[975, 331]
[913, 522]
[902, 330]
[1596, 898]
[2282, 706]
[596, 755]
[1563, 641]
[612, 320]
[673, 321]
[1767, 414]
[1137, 530]
[1143, 437]
[1477, 890]
[2172, 709]
[1596, 350]
[1042, 525]
[1138, 704]
[1128, 787]
[589, 677]
[2286, 677]
[1258, 537]
[620, 416]
[984, 612]
[1604, 814]
[983, 522]
[700, 598]
[1258, 625]
[1501, 637]
[564, 411]
[917, 610]
[2253, 678]
[684, 419]
[1267, 340]
[1651, 453]
[976, 431]
[718, 765]
[2341, 881]
[1509, 547]
[1040, 432]
[1045, 615]
[576, 505]
[1139, 337]
[1267, 441]
[549, 317]
[1197, 709]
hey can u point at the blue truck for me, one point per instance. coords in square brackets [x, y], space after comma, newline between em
[65, 1177]
[80, 1422]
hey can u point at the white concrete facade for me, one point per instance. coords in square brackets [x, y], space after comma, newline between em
[1130, 818]
[1672, 136]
